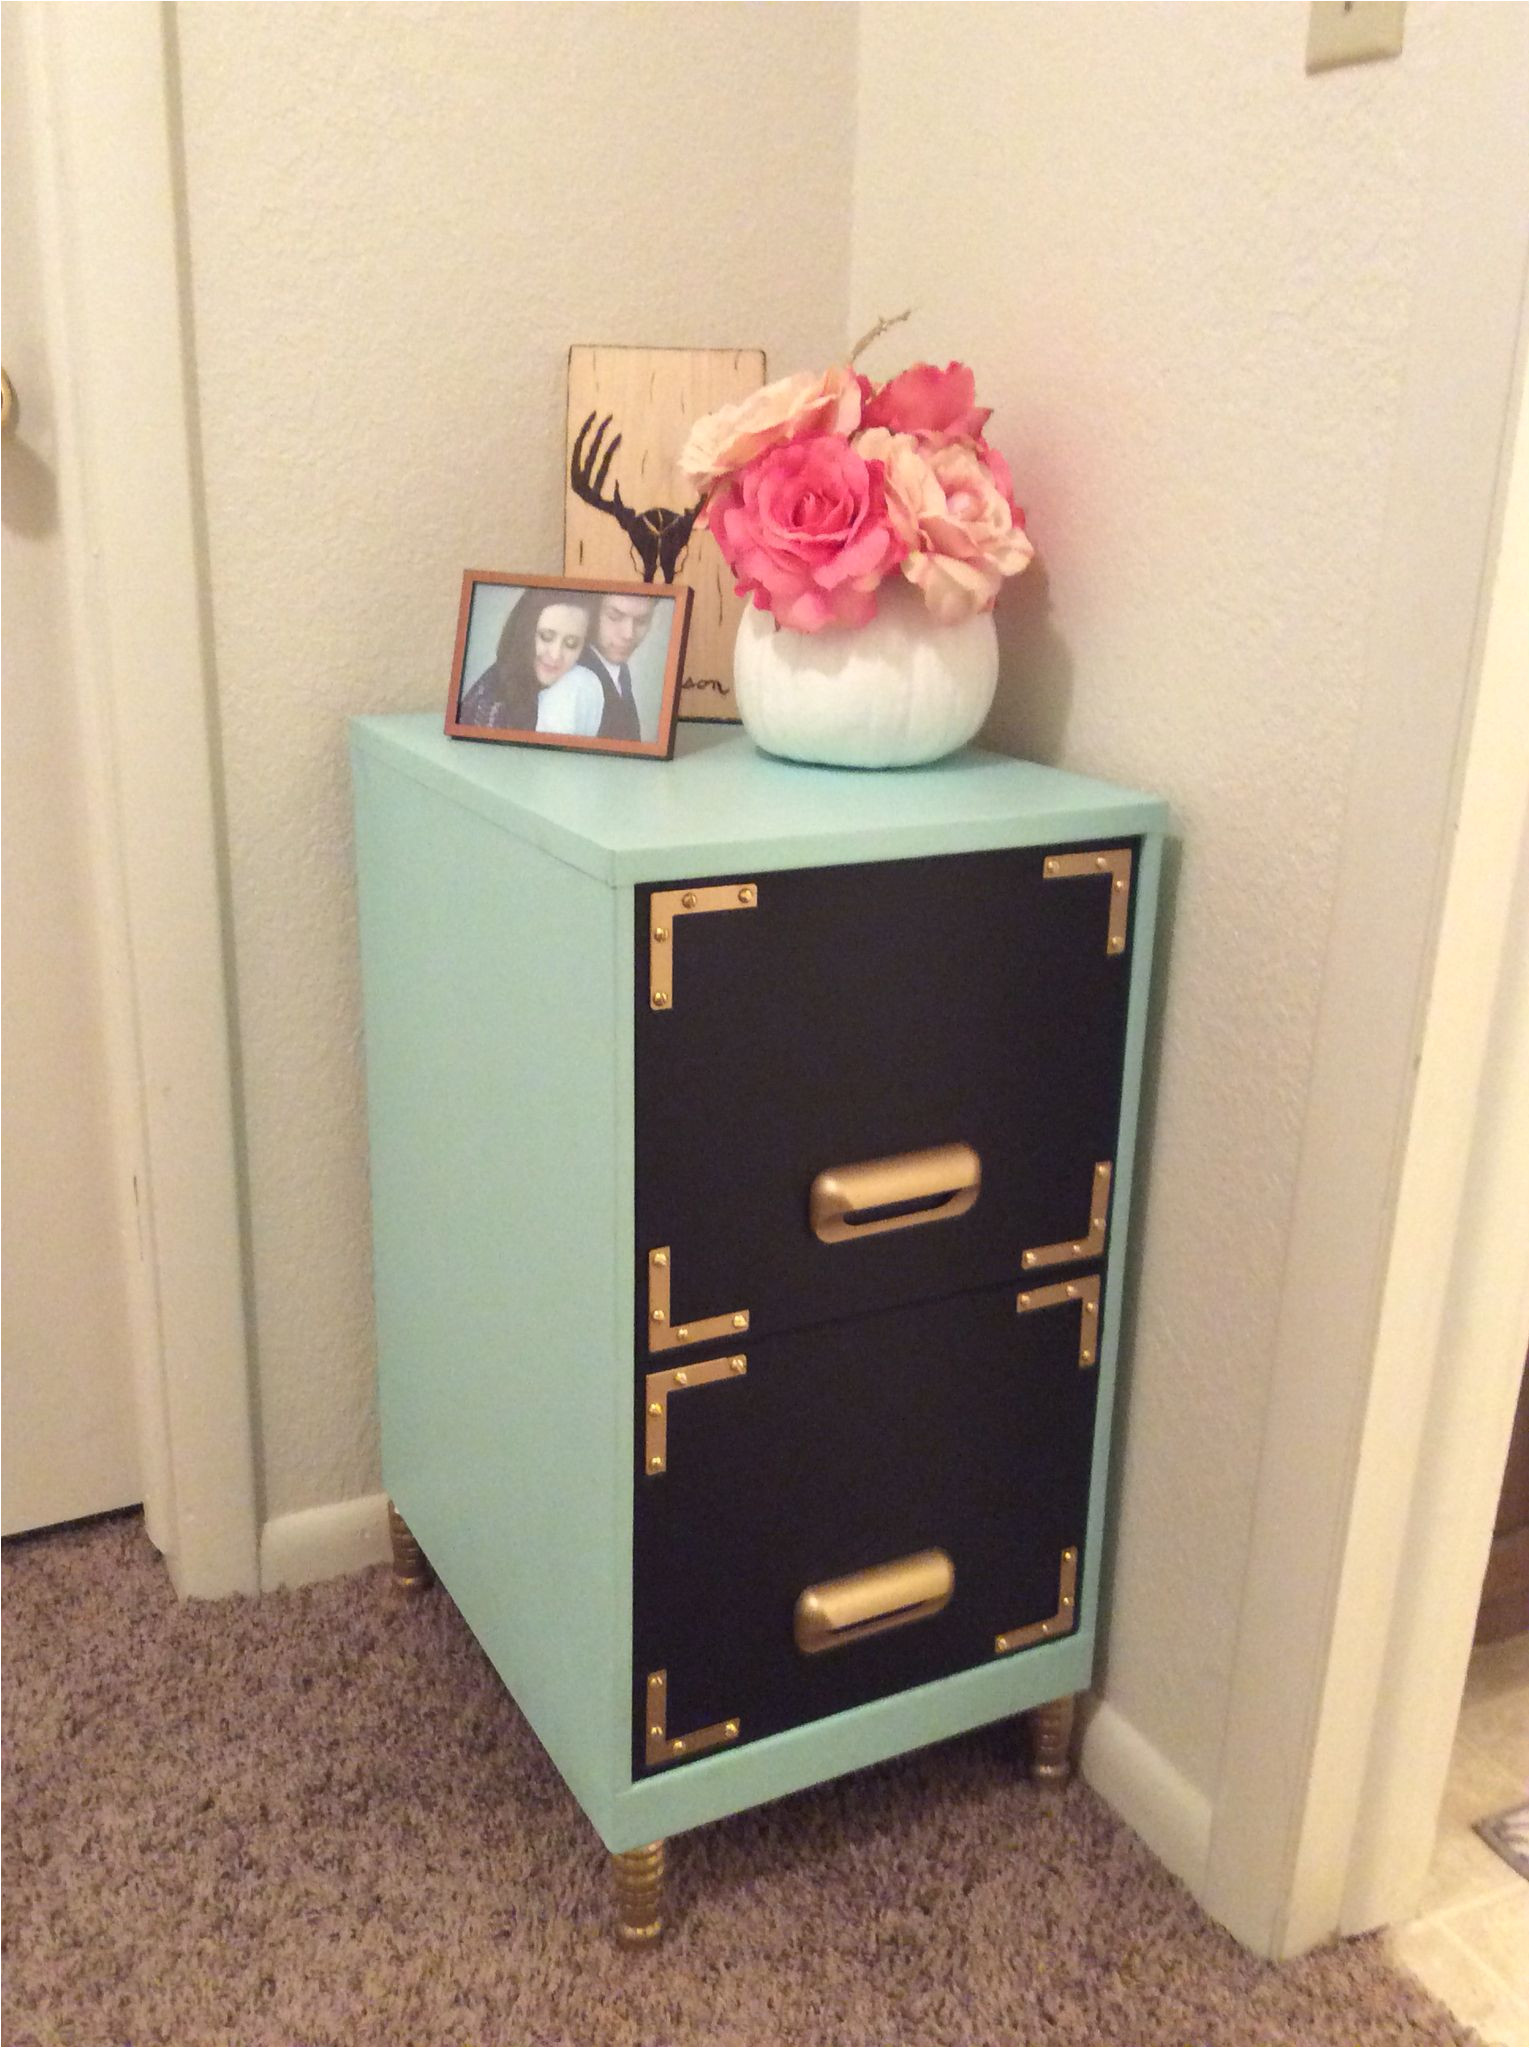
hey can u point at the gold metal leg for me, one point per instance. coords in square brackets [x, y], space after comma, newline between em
[411, 1567]
[1050, 1729]
[639, 1875]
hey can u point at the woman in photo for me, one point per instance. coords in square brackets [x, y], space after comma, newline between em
[543, 637]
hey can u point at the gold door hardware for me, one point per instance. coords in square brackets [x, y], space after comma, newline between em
[944, 1181]
[865, 1603]
[666, 1336]
[657, 1389]
[664, 906]
[1117, 864]
[1057, 1624]
[8, 406]
[1086, 1293]
[663, 1748]
[1087, 1247]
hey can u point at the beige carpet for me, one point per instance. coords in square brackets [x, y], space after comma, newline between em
[318, 1817]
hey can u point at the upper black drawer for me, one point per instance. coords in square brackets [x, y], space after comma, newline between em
[793, 1028]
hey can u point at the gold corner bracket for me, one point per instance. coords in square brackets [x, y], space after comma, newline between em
[1092, 1243]
[1057, 1624]
[664, 1335]
[1086, 1293]
[1116, 863]
[664, 907]
[660, 1747]
[657, 1389]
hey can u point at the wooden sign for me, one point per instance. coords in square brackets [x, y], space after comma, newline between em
[627, 511]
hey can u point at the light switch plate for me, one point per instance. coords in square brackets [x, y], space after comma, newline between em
[1352, 32]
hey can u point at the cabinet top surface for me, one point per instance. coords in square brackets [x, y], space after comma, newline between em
[721, 805]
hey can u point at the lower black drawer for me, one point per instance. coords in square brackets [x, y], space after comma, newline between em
[962, 1428]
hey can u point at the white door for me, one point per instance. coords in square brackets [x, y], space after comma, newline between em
[69, 1440]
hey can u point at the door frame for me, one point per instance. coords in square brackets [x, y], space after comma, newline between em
[1402, 1326]
[1463, 1294]
[109, 204]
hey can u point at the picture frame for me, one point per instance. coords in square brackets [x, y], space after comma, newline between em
[587, 664]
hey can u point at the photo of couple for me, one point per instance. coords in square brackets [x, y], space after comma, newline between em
[544, 660]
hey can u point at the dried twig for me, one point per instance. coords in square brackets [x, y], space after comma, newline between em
[878, 331]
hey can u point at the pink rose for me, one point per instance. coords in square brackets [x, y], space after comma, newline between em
[937, 405]
[805, 530]
[784, 411]
[953, 510]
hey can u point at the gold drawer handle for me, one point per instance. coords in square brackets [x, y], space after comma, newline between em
[927, 1187]
[864, 1604]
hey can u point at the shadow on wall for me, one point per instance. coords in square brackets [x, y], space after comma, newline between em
[29, 504]
[1128, 1350]
[1035, 694]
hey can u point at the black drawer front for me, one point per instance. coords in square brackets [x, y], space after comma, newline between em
[856, 1013]
[964, 1426]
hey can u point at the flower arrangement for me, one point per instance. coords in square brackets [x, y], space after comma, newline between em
[818, 487]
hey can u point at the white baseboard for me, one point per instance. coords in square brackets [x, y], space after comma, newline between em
[1151, 1796]
[324, 1543]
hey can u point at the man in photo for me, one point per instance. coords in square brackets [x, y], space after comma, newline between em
[622, 620]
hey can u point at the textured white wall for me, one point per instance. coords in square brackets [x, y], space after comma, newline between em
[399, 217]
[1188, 277]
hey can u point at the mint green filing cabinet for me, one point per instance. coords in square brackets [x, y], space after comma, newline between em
[751, 1165]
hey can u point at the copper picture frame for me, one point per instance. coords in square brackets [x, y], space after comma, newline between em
[589, 665]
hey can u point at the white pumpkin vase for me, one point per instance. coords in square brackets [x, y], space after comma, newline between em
[901, 690]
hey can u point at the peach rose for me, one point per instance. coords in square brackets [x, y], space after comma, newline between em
[805, 403]
[805, 530]
[913, 495]
[952, 509]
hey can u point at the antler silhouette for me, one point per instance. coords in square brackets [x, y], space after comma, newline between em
[659, 536]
